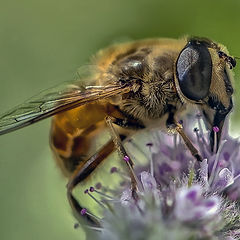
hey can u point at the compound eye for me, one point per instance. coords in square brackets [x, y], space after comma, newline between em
[194, 71]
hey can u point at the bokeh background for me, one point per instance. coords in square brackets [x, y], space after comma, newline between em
[42, 43]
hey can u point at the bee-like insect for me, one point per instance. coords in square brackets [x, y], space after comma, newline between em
[136, 85]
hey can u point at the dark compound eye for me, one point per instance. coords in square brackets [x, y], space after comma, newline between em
[194, 71]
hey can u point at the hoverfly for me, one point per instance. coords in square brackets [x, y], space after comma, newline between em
[134, 86]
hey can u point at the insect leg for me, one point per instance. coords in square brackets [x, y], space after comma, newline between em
[125, 123]
[188, 142]
[122, 152]
[173, 125]
[80, 174]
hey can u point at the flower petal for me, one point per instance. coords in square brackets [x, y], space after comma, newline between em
[192, 206]
[148, 181]
[225, 179]
[126, 196]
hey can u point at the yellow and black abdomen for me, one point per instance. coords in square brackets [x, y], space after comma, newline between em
[73, 132]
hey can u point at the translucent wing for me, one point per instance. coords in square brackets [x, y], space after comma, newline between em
[53, 101]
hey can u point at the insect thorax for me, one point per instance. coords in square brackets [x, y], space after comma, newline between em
[151, 74]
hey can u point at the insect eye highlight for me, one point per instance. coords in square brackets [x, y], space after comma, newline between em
[194, 71]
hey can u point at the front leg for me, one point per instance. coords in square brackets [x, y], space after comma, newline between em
[123, 154]
[173, 126]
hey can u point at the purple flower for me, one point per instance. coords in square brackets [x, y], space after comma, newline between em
[175, 196]
[192, 206]
[148, 182]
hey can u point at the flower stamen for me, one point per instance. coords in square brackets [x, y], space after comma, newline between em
[122, 174]
[215, 165]
[151, 160]
[201, 134]
[96, 200]
[85, 212]
[92, 189]
[215, 130]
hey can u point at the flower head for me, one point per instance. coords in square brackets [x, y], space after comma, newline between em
[176, 197]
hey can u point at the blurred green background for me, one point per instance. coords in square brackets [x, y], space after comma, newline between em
[42, 43]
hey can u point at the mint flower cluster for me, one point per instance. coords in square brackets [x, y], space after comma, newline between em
[177, 198]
